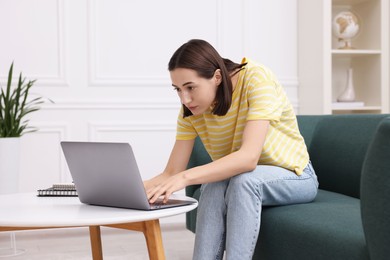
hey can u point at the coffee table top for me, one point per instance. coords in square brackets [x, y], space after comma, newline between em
[29, 210]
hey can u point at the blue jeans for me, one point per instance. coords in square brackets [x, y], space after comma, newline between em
[229, 211]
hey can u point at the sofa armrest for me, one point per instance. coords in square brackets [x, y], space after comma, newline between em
[338, 147]
[375, 193]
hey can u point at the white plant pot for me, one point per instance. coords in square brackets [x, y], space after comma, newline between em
[9, 165]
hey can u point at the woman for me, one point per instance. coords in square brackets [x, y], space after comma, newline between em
[248, 126]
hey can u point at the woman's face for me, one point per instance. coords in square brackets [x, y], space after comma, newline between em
[196, 93]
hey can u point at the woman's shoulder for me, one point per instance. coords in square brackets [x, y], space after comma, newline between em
[257, 70]
[254, 65]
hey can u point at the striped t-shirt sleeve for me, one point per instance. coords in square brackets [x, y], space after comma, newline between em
[184, 128]
[263, 100]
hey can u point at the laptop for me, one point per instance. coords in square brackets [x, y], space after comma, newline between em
[106, 174]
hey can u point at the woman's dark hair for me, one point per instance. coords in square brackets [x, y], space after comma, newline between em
[200, 56]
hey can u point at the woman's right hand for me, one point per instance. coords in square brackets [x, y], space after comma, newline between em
[148, 184]
[155, 181]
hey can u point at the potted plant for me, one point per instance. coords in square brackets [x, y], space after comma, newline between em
[14, 106]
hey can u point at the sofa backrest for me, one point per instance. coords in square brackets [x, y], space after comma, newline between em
[199, 156]
[375, 193]
[337, 145]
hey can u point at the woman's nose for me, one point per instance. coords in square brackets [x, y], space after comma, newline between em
[185, 98]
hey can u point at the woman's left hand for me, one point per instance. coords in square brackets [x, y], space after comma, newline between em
[166, 188]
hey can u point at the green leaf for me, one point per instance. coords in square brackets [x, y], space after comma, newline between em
[15, 105]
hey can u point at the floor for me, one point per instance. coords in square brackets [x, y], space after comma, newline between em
[74, 243]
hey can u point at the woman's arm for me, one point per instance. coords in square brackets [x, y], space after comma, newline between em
[177, 162]
[243, 160]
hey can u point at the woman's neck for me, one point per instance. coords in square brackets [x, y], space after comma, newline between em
[234, 78]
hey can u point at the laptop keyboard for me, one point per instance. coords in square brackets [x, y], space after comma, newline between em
[159, 203]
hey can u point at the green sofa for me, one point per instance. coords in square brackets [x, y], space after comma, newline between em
[350, 217]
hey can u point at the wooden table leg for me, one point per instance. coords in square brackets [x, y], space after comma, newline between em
[96, 242]
[152, 233]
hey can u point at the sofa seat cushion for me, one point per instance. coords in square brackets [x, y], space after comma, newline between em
[331, 227]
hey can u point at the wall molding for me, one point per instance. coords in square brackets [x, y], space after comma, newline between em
[61, 80]
[289, 84]
[114, 104]
[58, 80]
[96, 127]
[98, 81]
[62, 129]
[95, 80]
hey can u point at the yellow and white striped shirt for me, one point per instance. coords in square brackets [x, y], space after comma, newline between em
[257, 96]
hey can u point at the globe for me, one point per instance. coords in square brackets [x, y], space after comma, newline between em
[345, 26]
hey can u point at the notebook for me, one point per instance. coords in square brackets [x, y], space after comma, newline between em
[59, 190]
[107, 174]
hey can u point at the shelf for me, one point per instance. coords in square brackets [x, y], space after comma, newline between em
[348, 2]
[353, 106]
[323, 68]
[350, 53]
[366, 108]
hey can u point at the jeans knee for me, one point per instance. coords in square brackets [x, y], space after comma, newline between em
[244, 183]
[242, 180]
[214, 188]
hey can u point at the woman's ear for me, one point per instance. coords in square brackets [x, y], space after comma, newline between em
[218, 76]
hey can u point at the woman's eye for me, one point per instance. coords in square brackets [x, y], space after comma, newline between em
[177, 89]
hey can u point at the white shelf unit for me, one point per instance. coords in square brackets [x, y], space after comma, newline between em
[323, 67]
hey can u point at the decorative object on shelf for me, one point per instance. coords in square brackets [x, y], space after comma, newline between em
[348, 95]
[14, 106]
[346, 26]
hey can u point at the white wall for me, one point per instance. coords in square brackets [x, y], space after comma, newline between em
[104, 64]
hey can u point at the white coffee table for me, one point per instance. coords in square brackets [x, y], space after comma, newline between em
[24, 211]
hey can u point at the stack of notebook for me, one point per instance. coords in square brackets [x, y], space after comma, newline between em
[59, 190]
